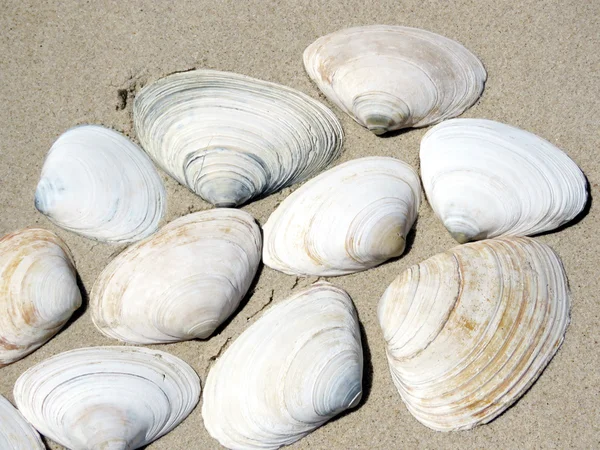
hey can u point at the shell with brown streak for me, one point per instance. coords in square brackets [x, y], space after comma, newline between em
[38, 291]
[181, 283]
[468, 331]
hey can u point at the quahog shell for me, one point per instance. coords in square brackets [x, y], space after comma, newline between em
[99, 184]
[181, 283]
[290, 372]
[468, 331]
[486, 179]
[350, 218]
[107, 398]
[15, 432]
[231, 138]
[391, 77]
[38, 291]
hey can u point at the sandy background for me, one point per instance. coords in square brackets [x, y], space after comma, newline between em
[63, 63]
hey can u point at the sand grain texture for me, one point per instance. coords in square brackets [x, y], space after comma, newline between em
[66, 63]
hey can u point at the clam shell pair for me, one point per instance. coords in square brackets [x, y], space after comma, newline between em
[468, 331]
[181, 283]
[231, 138]
[350, 218]
[486, 179]
[38, 291]
[392, 77]
[107, 398]
[99, 184]
[291, 371]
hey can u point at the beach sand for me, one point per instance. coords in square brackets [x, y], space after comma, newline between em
[64, 63]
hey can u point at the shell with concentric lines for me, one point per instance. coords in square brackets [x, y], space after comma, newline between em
[391, 77]
[291, 371]
[38, 291]
[486, 179]
[181, 283]
[99, 184]
[107, 398]
[231, 138]
[350, 218]
[15, 432]
[468, 331]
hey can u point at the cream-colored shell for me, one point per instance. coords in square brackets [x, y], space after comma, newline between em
[350, 218]
[38, 291]
[486, 179]
[390, 77]
[468, 331]
[290, 372]
[97, 183]
[181, 283]
[107, 398]
[15, 432]
[231, 138]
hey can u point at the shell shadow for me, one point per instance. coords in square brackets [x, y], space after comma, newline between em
[579, 217]
[85, 301]
[392, 134]
[240, 307]
[367, 381]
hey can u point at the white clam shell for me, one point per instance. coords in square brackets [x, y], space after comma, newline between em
[15, 432]
[350, 218]
[392, 77]
[107, 398]
[38, 291]
[290, 372]
[97, 183]
[181, 283]
[468, 331]
[486, 179]
[230, 138]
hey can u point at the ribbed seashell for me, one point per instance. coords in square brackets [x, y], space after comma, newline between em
[392, 77]
[290, 372]
[38, 291]
[181, 283]
[486, 179]
[468, 331]
[231, 138]
[107, 398]
[99, 184]
[350, 218]
[15, 432]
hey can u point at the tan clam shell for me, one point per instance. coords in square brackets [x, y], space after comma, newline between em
[180, 283]
[391, 77]
[468, 331]
[38, 291]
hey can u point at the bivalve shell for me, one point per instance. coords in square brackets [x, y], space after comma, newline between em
[392, 77]
[15, 432]
[231, 138]
[350, 218]
[181, 283]
[290, 372]
[468, 331]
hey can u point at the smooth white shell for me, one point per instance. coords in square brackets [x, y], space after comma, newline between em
[468, 331]
[38, 291]
[231, 138]
[350, 218]
[486, 179]
[181, 283]
[15, 432]
[290, 372]
[97, 183]
[107, 398]
[391, 77]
